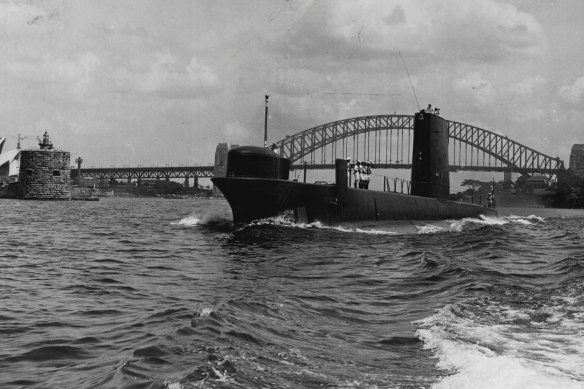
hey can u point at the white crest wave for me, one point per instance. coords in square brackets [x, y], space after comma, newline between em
[400, 227]
[494, 345]
[188, 221]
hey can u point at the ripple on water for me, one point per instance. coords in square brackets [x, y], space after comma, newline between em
[148, 293]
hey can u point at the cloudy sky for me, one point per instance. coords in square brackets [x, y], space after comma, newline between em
[151, 82]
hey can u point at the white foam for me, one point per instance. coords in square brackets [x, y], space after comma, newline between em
[188, 221]
[462, 224]
[173, 385]
[374, 231]
[429, 229]
[490, 220]
[486, 345]
[221, 377]
[285, 221]
[399, 227]
[531, 219]
[197, 220]
[205, 312]
[476, 368]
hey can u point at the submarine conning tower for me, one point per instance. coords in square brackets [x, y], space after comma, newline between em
[430, 172]
[256, 162]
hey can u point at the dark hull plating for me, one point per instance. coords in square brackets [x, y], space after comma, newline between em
[257, 198]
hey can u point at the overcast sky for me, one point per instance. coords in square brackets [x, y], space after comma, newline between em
[162, 82]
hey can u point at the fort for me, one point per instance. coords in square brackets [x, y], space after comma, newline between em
[41, 174]
[44, 174]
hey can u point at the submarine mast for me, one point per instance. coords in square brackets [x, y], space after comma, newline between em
[266, 124]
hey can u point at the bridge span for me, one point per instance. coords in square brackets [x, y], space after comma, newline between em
[148, 173]
[386, 140]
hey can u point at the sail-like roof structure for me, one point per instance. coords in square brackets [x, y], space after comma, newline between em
[9, 163]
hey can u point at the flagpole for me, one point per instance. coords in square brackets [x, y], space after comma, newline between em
[266, 124]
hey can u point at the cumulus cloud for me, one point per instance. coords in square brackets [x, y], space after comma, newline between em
[16, 19]
[509, 30]
[235, 132]
[346, 107]
[422, 27]
[89, 62]
[193, 67]
[166, 76]
[202, 75]
[299, 81]
[34, 51]
[528, 85]
[50, 68]
[477, 88]
[574, 93]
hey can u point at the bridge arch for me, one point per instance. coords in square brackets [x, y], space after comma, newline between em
[512, 154]
[519, 158]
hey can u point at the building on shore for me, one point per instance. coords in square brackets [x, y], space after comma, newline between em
[9, 165]
[220, 165]
[577, 159]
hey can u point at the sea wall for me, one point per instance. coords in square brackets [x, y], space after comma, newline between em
[44, 175]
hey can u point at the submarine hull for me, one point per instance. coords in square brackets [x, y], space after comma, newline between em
[253, 199]
[257, 186]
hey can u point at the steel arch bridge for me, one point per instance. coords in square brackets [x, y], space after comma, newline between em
[387, 140]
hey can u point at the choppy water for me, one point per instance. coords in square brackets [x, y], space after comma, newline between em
[154, 293]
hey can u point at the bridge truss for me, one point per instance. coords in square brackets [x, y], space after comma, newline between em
[387, 141]
[146, 173]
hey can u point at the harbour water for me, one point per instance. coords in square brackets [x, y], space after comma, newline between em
[158, 293]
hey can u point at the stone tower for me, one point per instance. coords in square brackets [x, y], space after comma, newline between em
[45, 174]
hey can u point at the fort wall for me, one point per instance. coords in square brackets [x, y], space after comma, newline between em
[44, 175]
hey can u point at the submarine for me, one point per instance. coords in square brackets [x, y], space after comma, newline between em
[257, 186]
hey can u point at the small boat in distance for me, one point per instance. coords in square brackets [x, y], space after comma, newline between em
[257, 186]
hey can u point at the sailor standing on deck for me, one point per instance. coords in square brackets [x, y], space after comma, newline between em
[362, 175]
[349, 169]
[490, 200]
[357, 174]
[368, 165]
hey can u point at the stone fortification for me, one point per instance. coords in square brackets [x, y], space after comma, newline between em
[45, 174]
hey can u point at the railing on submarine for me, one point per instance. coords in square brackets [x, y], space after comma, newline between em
[387, 185]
